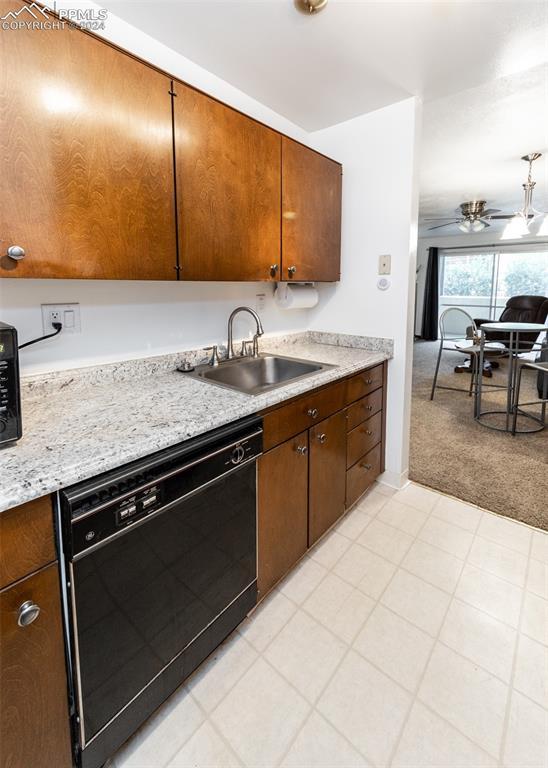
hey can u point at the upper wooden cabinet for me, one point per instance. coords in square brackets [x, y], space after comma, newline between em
[86, 163]
[311, 214]
[228, 191]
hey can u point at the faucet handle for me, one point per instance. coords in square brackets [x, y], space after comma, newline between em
[246, 350]
[214, 359]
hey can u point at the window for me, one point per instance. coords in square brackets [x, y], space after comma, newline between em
[481, 281]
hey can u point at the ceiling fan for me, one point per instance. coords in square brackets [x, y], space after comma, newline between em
[473, 217]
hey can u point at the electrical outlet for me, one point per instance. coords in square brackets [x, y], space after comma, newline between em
[385, 264]
[67, 314]
[260, 302]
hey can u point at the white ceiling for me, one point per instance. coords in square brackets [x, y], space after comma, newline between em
[353, 57]
[472, 143]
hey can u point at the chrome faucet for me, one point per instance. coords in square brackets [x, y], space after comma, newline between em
[260, 331]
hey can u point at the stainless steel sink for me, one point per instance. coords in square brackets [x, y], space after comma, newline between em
[256, 375]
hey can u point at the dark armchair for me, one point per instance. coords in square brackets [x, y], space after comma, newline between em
[519, 309]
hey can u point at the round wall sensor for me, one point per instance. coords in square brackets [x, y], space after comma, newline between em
[383, 284]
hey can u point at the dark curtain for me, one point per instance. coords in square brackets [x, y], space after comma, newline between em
[431, 296]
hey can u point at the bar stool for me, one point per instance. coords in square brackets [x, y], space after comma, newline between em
[535, 366]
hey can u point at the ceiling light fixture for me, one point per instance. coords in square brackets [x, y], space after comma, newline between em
[518, 226]
[310, 6]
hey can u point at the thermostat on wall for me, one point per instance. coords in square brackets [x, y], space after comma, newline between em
[383, 284]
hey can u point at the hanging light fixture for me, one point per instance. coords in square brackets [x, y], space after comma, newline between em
[518, 225]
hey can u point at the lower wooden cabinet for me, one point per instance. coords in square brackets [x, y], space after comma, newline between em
[326, 478]
[307, 481]
[282, 528]
[34, 719]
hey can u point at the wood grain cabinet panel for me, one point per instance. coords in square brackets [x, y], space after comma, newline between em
[311, 214]
[363, 437]
[362, 474]
[363, 409]
[26, 539]
[86, 161]
[363, 383]
[34, 718]
[228, 191]
[282, 510]
[282, 423]
[327, 467]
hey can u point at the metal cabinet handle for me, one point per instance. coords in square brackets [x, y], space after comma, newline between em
[28, 612]
[313, 413]
[367, 467]
[273, 269]
[291, 270]
[368, 407]
[367, 432]
[322, 438]
[302, 449]
[369, 381]
[16, 252]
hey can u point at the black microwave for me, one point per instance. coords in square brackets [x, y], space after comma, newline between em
[11, 426]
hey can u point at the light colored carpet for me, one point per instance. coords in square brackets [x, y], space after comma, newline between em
[453, 453]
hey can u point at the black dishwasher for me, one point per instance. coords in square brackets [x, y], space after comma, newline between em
[161, 565]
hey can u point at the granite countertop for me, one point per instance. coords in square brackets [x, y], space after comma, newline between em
[77, 424]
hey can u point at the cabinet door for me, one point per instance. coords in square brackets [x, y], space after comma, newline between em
[34, 721]
[228, 191]
[327, 475]
[86, 159]
[282, 510]
[311, 214]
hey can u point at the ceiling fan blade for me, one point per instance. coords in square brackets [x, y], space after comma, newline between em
[449, 223]
[489, 211]
[440, 218]
[502, 216]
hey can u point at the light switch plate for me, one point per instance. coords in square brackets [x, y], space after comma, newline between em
[260, 302]
[68, 314]
[385, 264]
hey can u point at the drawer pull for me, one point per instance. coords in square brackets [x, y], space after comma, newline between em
[28, 612]
[313, 413]
[302, 450]
[368, 432]
[322, 438]
[368, 407]
[367, 467]
[369, 381]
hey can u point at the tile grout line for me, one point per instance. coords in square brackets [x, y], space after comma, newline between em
[511, 688]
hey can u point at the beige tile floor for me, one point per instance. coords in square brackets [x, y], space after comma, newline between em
[414, 635]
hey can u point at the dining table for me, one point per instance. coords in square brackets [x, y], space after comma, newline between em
[515, 347]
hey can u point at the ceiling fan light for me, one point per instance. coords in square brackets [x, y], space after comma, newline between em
[465, 226]
[478, 225]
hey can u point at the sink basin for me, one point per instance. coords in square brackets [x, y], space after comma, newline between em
[261, 374]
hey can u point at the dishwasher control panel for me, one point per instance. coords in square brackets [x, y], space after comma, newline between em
[97, 510]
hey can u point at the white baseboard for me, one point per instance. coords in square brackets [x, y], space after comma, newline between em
[397, 480]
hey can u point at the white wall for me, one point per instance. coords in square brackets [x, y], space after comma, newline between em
[126, 320]
[122, 320]
[378, 152]
[455, 241]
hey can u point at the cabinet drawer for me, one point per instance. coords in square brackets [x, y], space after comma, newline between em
[365, 408]
[362, 474]
[364, 383]
[289, 420]
[26, 536]
[363, 438]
